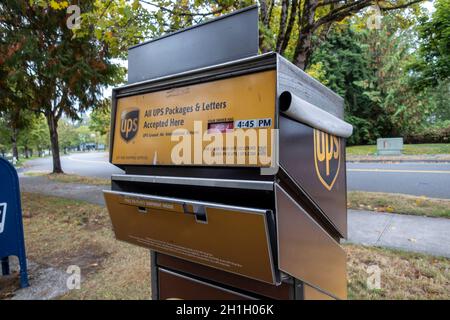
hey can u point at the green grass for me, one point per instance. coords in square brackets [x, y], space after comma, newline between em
[23, 160]
[409, 149]
[69, 178]
[361, 150]
[404, 275]
[62, 232]
[436, 148]
[398, 203]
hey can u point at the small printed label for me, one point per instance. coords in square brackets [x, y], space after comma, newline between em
[2, 216]
[253, 123]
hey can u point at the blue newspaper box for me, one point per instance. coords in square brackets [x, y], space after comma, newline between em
[11, 228]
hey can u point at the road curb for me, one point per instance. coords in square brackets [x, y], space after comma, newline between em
[398, 161]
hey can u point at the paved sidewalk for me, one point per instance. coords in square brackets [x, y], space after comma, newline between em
[45, 282]
[84, 192]
[405, 232]
[399, 231]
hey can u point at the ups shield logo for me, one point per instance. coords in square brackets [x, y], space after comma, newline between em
[327, 153]
[129, 124]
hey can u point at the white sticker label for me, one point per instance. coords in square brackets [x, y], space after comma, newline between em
[253, 123]
[2, 216]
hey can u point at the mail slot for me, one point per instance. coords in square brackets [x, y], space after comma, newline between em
[234, 176]
[233, 239]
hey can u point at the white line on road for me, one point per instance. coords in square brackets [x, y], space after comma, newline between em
[351, 170]
[87, 161]
[400, 171]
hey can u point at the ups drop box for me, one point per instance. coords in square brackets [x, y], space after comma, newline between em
[234, 179]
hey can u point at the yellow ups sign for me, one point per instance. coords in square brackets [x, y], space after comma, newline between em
[226, 122]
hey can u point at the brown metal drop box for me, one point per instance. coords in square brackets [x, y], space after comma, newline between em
[259, 221]
[275, 242]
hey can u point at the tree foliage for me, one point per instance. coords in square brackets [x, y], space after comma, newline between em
[64, 74]
[432, 66]
[101, 117]
[369, 68]
[395, 80]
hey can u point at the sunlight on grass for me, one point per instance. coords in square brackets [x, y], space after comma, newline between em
[80, 233]
[69, 178]
[408, 149]
[404, 275]
[398, 203]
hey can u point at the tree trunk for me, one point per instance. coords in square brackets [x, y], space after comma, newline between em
[303, 49]
[53, 129]
[292, 16]
[282, 26]
[15, 150]
[27, 152]
[264, 20]
[263, 11]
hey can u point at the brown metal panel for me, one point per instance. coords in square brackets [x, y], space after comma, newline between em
[293, 79]
[306, 251]
[282, 292]
[232, 239]
[322, 178]
[228, 37]
[176, 286]
[310, 293]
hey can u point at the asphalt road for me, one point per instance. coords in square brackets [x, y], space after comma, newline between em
[428, 179]
[93, 164]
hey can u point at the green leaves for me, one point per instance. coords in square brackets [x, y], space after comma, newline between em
[433, 63]
[369, 68]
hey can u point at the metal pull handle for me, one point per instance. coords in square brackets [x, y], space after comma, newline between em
[198, 210]
[142, 209]
[200, 213]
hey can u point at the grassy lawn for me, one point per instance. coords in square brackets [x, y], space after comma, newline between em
[398, 203]
[403, 275]
[62, 232]
[361, 150]
[409, 149]
[22, 160]
[70, 178]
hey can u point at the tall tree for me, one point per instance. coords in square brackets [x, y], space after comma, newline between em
[101, 119]
[433, 63]
[430, 70]
[68, 135]
[66, 74]
[369, 68]
[285, 25]
[14, 92]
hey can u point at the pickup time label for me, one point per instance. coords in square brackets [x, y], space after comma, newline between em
[253, 123]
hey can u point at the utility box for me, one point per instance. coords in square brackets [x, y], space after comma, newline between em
[234, 178]
[389, 146]
[12, 241]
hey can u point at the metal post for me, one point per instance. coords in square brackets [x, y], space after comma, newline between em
[5, 266]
